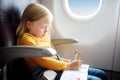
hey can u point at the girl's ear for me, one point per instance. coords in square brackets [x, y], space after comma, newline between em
[28, 24]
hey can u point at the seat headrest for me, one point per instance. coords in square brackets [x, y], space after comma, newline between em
[10, 18]
[10, 12]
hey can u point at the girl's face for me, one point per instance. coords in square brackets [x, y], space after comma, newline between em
[39, 27]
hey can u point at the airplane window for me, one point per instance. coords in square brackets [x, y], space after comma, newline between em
[82, 9]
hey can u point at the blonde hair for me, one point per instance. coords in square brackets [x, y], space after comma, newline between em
[32, 12]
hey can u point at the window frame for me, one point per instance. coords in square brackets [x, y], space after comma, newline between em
[76, 17]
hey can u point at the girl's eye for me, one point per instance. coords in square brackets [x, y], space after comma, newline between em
[43, 27]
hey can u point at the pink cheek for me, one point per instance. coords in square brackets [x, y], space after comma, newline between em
[41, 32]
[35, 32]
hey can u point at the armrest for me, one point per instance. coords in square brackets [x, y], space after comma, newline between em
[56, 42]
[13, 52]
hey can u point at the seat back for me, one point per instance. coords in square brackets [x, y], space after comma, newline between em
[10, 13]
[9, 20]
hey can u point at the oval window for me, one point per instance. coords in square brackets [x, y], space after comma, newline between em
[82, 9]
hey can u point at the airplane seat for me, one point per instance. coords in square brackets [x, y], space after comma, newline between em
[10, 12]
[16, 69]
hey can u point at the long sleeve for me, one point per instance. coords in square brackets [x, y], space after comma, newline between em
[50, 63]
[47, 62]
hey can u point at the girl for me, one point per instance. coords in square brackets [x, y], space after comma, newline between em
[34, 30]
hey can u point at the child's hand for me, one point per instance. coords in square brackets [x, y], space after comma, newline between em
[67, 60]
[74, 65]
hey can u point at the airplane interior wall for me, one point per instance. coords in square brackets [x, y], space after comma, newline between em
[116, 64]
[99, 36]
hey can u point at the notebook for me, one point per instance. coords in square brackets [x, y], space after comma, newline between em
[80, 74]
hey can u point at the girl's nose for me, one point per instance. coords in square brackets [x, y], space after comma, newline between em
[46, 29]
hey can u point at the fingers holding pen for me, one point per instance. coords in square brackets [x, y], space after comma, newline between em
[78, 62]
[74, 65]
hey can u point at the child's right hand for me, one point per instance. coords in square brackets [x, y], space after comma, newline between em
[74, 65]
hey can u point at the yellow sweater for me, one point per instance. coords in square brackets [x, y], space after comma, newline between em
[47, 62]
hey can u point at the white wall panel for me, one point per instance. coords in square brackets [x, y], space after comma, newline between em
[98, 44]
[96, 36]
[116, 65]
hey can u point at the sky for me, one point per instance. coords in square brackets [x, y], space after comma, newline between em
[83, 7]
[84, 2]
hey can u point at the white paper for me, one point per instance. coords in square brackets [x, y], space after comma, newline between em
[80, 74]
